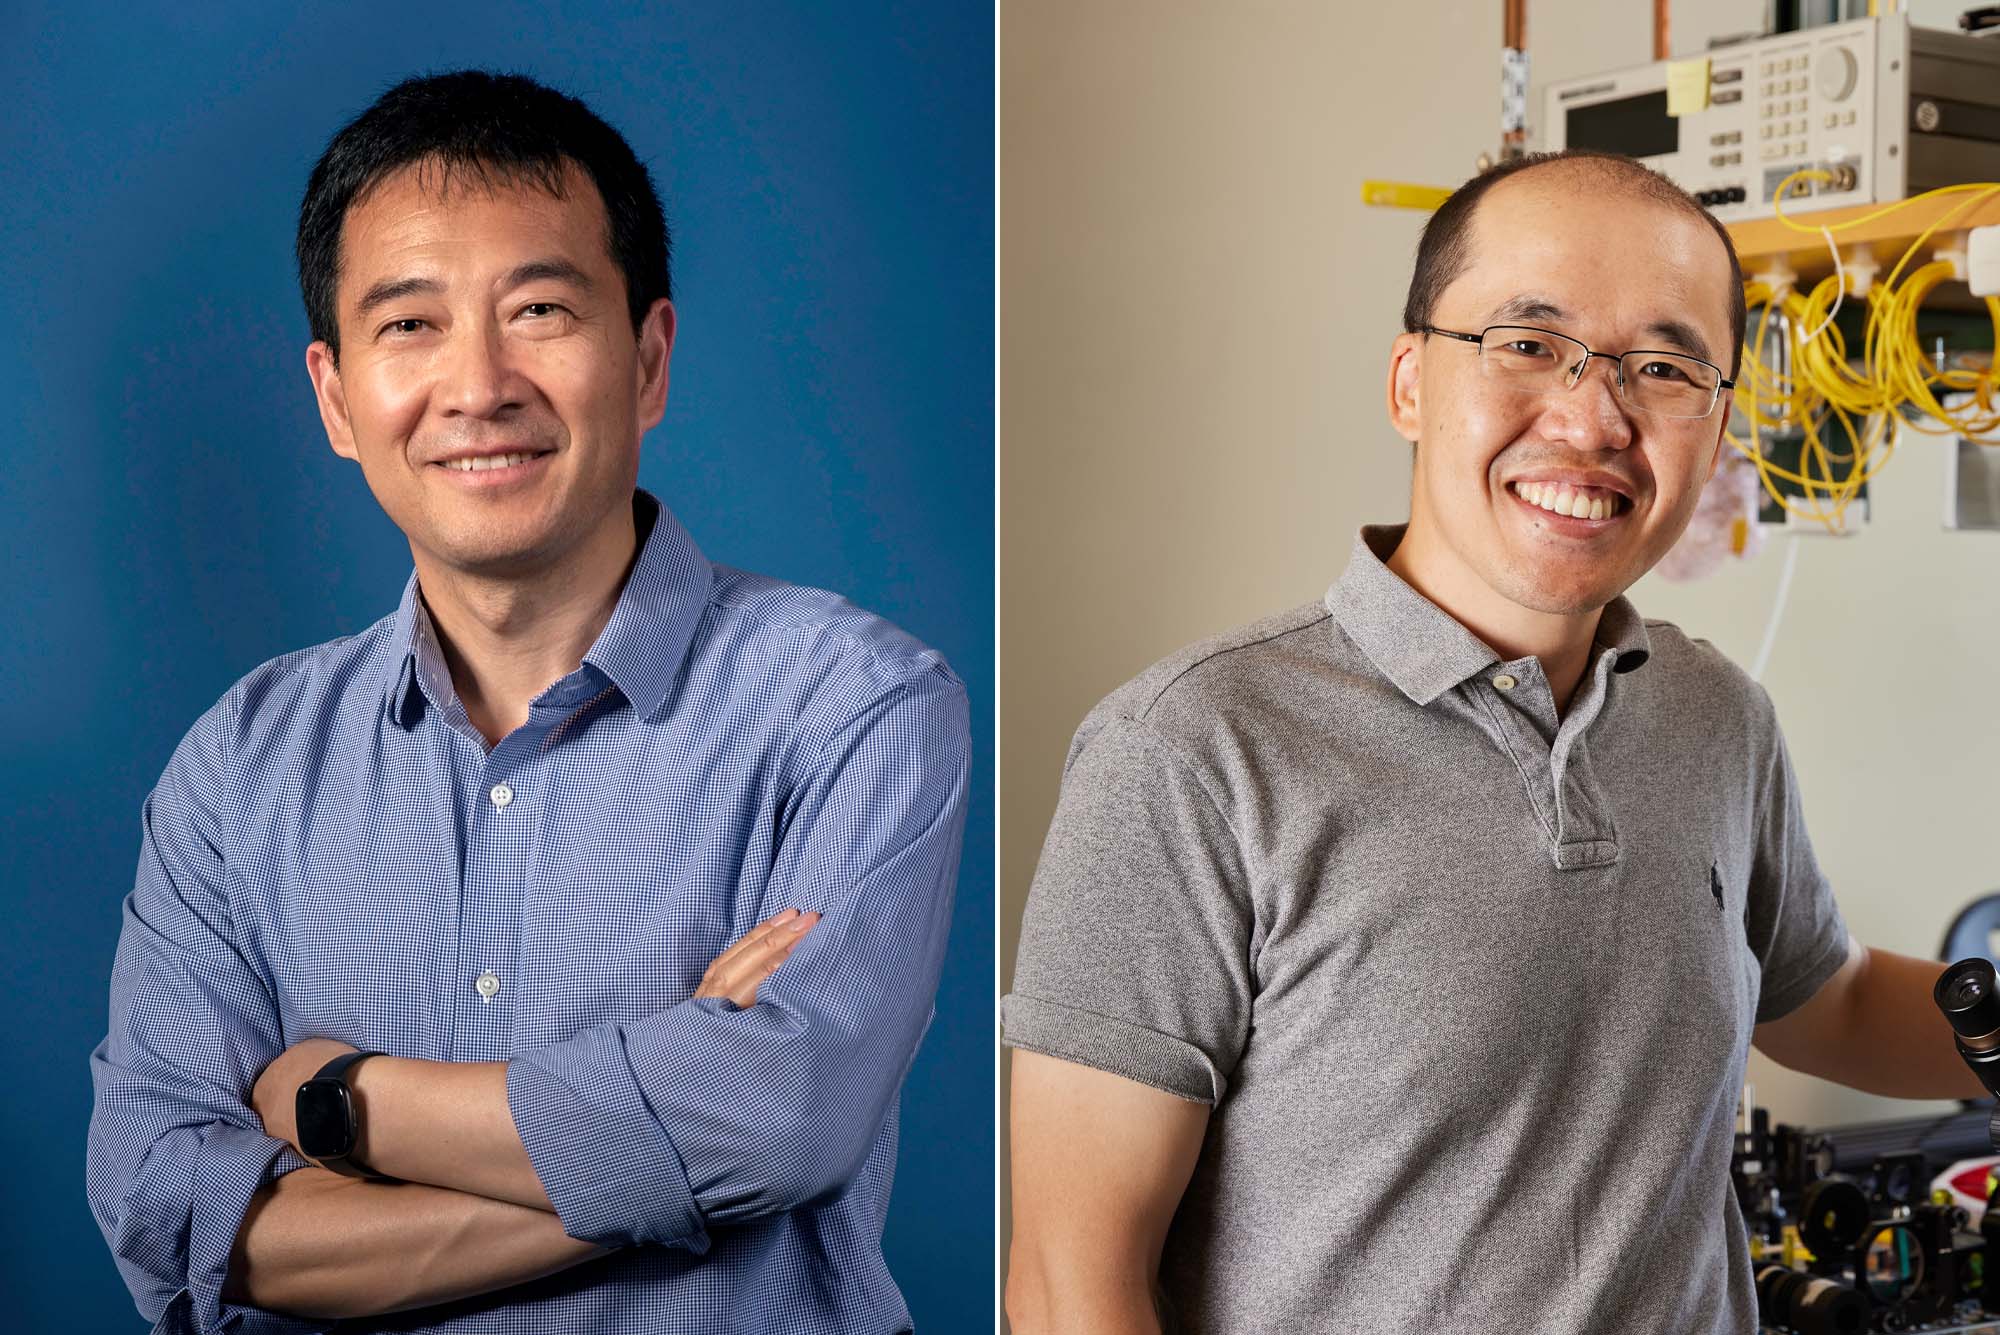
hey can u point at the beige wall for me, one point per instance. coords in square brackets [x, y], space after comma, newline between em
[1195, 316]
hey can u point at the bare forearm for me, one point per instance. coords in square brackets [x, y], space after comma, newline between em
[1876, 1029]
[318, 1244]
[1078, 1302]
[446, 1124]
[1902, 1045]
[1100, 1163]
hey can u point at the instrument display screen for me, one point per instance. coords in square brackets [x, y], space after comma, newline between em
[1639, 126]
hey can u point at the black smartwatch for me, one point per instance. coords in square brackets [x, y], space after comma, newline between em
[327, 1124]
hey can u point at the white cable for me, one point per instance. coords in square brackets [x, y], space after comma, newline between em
[1840, 288]
[1763, 659]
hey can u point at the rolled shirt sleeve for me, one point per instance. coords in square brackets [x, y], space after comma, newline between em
[175, 1152]
[654, 1130]
[1135, 946]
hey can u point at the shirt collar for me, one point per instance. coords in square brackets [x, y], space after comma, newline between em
[640, 650]
[1621, 634]
[1419, 646]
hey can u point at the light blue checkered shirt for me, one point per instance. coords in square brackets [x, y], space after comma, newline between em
[333, 852]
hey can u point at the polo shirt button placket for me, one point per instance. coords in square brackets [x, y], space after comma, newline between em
[1528, 725]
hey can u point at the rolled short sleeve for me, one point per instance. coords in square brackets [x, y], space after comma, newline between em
[1793, 924]
[1135, 949]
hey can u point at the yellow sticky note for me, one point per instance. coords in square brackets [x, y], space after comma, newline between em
[1687, 86]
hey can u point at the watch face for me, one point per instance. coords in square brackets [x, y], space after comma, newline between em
[325, 1119]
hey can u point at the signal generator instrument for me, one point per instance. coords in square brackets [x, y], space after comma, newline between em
[1889, 110]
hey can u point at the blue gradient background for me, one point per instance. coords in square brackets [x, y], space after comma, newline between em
[173, 515]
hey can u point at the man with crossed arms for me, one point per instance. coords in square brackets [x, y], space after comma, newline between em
[503, 837]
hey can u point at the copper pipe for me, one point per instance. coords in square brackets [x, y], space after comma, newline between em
[1514, 25]
[1660, 43]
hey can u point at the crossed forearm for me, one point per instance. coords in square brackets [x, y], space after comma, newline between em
[317, 1244]
[468, 1215]
[446, 1124]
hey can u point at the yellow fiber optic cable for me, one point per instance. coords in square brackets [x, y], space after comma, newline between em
[1825, 390]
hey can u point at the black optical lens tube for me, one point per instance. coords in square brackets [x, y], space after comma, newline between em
[1822, 1307]
[1808, 1304]
[1969, 995]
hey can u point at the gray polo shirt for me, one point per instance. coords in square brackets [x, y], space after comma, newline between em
[1470, 987]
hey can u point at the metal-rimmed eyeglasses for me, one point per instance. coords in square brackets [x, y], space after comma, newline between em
[1541, 361]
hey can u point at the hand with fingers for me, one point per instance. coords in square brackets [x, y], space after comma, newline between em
[740, 970]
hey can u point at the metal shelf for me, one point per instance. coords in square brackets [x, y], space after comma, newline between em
[1762, 243]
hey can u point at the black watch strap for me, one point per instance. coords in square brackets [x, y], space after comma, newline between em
[337, 1068]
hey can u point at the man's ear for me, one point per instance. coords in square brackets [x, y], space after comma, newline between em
[1405, 370]
[1715, 455]
[324, 370]
[656, 350]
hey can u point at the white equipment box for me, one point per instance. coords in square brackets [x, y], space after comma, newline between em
[1890, 109]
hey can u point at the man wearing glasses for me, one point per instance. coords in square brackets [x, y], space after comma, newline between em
[1392, 963]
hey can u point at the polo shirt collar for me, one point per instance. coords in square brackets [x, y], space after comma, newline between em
[1419, 646]
[640, 650]
[1621, 635]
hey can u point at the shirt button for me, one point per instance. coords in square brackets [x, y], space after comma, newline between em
[501, 795]
[488, 985]
[1503, 682]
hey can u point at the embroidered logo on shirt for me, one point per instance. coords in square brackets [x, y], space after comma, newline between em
[1715, 883]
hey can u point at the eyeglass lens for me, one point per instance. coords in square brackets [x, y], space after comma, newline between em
[1538, 360]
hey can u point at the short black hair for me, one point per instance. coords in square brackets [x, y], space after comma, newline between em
[1445, 249]
[491, 129]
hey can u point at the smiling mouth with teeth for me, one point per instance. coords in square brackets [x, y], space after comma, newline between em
[1575, 502]
[484, 462]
